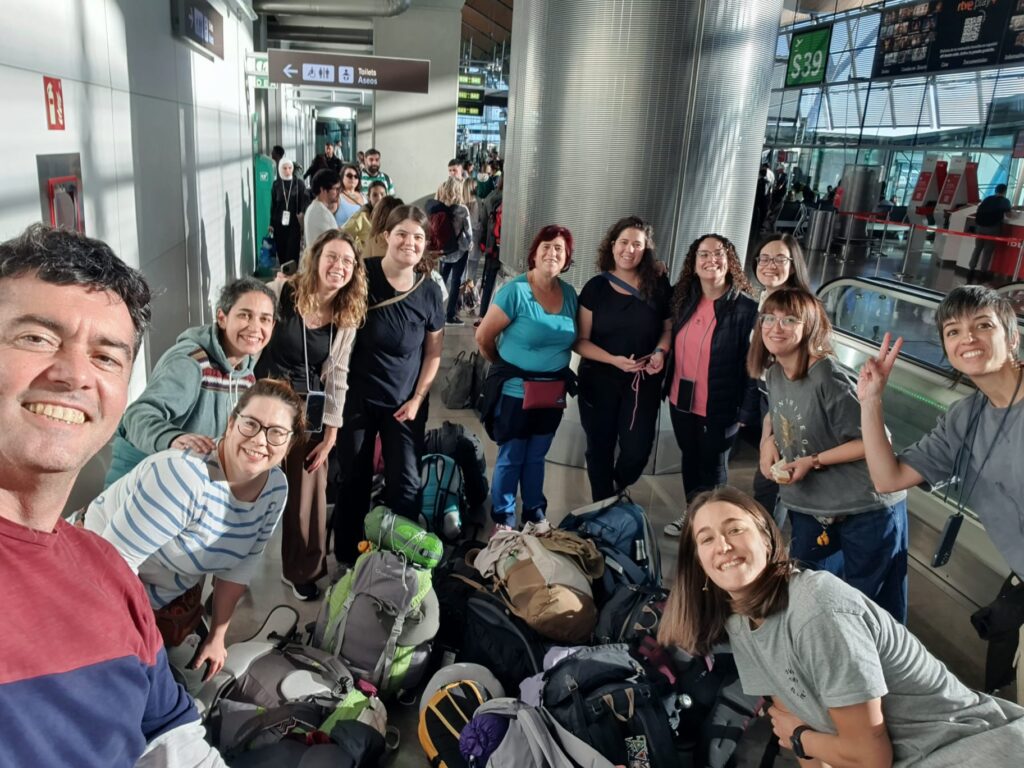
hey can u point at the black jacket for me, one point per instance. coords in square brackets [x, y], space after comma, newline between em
[732, 394]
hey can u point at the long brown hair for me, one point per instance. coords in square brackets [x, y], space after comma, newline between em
[735, 278]
[646, 269]
[697, 609]
[381, 211]
[349, 306]
[817, 330]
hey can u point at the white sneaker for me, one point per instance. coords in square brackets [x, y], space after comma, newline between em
[675, 527]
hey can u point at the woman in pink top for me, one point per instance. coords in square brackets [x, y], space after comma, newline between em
[710, 394]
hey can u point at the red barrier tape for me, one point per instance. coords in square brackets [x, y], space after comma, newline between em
[875, 220]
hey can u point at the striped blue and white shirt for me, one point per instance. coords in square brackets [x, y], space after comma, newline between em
[173, 519]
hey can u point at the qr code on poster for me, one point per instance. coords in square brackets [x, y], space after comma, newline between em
[972, 29]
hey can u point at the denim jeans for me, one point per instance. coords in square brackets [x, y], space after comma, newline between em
[451, 273]
[867, 550]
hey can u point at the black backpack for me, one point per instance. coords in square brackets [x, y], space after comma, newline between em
[465, 447]
[630, 614]
[603, 695]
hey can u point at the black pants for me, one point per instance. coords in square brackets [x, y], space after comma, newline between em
[613, 414]
[401, 446]
[455, 269]
[491, 269]
[705, 451]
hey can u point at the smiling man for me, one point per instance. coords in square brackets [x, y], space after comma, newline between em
[84, 679]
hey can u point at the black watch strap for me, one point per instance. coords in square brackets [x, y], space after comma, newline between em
[798, 747]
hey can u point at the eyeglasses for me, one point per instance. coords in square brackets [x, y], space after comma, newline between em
[345, 261]
[777, 260]
[787, 322]
[249, 427]
[709, 255]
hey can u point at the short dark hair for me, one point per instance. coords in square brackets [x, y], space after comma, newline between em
[546, 235]
[60, 257]
[236, 289]
[324, 179]
[377, 183]
[968, 300]
[1000, 189]
[697, 609]
[454, 161]
[371, 151]
[277, 151]
[467, 164]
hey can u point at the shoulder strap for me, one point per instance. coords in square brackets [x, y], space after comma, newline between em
[618, 281]
[399, 297]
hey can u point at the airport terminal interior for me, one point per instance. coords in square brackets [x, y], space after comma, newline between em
[879, 136]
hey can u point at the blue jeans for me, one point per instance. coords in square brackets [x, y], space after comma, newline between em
[867, 550]
[523, 439]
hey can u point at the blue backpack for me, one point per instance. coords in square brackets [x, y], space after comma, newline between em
[441, 495]
[623, 534]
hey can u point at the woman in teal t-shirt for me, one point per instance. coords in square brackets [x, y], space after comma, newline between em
[530, 326]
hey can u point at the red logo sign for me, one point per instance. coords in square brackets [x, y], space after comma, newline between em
[54, 97]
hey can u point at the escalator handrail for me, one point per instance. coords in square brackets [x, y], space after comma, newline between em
[888, 283]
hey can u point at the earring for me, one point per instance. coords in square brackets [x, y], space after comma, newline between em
[705, 589]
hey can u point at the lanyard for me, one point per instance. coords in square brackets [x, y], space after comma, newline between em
[305, 349]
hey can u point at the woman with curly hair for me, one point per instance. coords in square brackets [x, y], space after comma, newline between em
[320, 308]
[710, 393]
[624, 325]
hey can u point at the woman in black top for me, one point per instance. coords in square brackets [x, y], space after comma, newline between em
[710, 394]
[624, 325]
[287, 202]
[320, 309]
[395, 360]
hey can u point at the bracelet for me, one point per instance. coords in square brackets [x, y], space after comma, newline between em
[664, 352]
[817, 461]
[420, 395]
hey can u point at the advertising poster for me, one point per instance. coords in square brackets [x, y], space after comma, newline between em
[1013, 45]
[971, 33]
[906, 37]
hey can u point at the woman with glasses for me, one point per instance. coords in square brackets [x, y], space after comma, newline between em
[779, 262]
[351, 199]
[624, 324]
[841, 524]
[183, 514]
[710, 394]
[321, 306]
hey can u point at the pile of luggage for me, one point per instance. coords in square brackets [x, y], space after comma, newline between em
[542, 643]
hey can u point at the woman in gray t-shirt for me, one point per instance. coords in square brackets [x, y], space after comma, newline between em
[841, 524]
[849, 684]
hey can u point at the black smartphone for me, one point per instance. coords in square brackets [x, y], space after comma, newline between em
[685, 400]
[948, 539]
[289, 267]
[315, 404]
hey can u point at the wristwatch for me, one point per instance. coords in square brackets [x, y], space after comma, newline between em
[798, 747]
[816, 461]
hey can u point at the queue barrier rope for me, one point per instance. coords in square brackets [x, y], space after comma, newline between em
[1012, 241]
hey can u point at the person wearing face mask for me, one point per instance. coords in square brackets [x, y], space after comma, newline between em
[527, 335]
[840, 522]
[624, 323]
[848, 685]
[975, 448]
[779, 263]
[321, 307]
[710, 394]
[288, 198]
[180, 515]
[395, 361]
[196, 383]
[319, 217]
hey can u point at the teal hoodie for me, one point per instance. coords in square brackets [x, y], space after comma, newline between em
[192, 389]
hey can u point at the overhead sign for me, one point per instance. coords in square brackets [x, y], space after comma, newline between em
[473, 79]
[471, 96]
[370, 73]
[808, 57]
[471, 110]
[200, 25]
[257, 66]
[53, 93]
[945, 35]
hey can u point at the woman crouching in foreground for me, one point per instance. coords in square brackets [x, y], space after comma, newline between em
[850, 685]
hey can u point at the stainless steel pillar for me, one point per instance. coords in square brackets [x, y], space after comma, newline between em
[652, 107]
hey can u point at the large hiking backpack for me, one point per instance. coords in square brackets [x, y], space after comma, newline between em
[623, 534]
[441, 228]
[380, 619]
[479, 628]
[603, 695]
[465, 447]
[447, 712]
[532, 738]
[441, 496]
[632, 613]
[544, 576]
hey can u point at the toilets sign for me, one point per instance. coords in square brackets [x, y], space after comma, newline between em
[366, 73]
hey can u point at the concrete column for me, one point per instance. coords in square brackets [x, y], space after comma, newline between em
[415, 133]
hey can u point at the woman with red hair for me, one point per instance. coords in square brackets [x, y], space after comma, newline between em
[527, 334]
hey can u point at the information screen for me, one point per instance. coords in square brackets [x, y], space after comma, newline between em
[808, 57]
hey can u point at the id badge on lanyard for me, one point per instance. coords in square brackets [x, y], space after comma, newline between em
[286, 217]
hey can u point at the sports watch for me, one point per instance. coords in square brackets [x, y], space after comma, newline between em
[798, 747]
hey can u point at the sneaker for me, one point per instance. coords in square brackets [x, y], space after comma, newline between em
[674, 528]
[454, 321]
[305, 592]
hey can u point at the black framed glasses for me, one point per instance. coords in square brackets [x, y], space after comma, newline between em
[778, 260]
[250, 427]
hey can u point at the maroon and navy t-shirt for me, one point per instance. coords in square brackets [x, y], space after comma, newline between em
[84, 679]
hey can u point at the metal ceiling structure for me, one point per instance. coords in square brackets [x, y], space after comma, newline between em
[486, 28]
